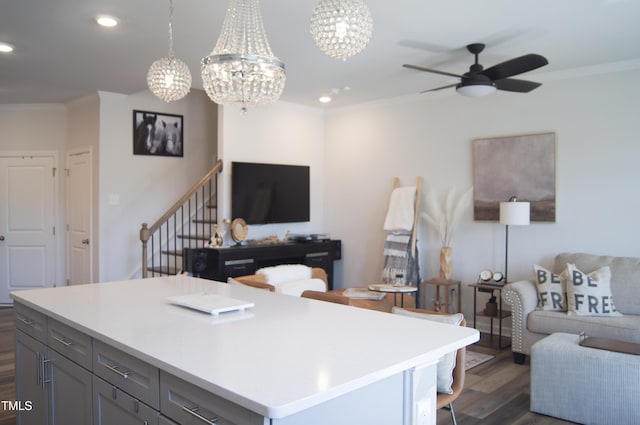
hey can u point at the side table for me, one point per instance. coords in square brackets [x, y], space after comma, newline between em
[502, 314]
[395, 290]
[447, 283]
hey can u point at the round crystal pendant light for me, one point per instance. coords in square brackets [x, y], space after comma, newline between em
[341, 28]
[242, 70]
[169, 78]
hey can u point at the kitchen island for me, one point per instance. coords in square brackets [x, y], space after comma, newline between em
[286, 360]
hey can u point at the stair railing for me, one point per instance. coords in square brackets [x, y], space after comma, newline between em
[187, 224]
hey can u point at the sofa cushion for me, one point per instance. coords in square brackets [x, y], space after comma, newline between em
[625, 276]
[590, 294]
[623, 328]
[552, 289]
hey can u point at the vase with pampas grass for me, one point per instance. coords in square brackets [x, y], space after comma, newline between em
[444, 221]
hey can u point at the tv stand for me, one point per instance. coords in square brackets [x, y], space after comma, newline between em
[239, 260]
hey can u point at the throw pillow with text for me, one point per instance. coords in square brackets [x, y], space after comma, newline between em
[590, 294]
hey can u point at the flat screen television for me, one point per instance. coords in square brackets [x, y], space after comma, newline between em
[269, 193]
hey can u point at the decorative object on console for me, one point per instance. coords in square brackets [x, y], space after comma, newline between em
[341, 28]
[552, 289]
[512, 213]
[239, 230]
[444, 222]
[499, 171]
[242, 70]
[169, 78]
[156, 133]
[590, 294]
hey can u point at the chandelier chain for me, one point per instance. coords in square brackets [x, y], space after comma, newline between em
[171, 54]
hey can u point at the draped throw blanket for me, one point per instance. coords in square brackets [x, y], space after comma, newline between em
[400, 215]
[400, 264]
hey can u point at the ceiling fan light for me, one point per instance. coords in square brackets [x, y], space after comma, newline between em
[476, 90]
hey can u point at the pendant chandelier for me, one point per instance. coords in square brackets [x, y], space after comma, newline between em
[169, 78]
[341, 28]
[241, 70]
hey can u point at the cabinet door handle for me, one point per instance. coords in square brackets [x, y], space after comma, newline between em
[195, 414]
[25, 320]
[64, 341]
[43, 372]
[116, 369]
[39, 369]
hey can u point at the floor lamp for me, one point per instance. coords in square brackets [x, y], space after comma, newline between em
[512, 213]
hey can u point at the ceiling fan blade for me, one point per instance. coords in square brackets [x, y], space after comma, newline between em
[440, 88]
[518, 86]
[419, 68]
[515, 66]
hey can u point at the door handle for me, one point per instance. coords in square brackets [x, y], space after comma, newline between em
[1, 237]
[85, 242]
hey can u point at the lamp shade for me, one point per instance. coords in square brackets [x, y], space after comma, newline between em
[515, 213]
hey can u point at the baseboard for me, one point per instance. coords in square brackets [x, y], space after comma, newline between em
[483, 324]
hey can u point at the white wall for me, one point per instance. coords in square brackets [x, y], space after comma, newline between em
[146, 186]
[41, 128]
[281, 133]
[594, 118]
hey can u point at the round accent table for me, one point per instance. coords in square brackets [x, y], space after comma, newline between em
[395, 290]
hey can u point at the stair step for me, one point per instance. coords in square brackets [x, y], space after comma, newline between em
[195, 237]
[204, 220]
[172, 252]
[164, 270]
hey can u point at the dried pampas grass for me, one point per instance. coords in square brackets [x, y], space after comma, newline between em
[444, 220]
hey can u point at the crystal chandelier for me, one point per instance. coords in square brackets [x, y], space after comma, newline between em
[341, 28]
[241, 70]
[169, 78]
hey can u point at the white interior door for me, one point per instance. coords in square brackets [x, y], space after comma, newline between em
[27, 224]
[79, 252]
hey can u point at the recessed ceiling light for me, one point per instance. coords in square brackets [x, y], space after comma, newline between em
[6, 48]
[324, 99]
[107, 20]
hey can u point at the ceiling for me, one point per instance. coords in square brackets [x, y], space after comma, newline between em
[61, 53]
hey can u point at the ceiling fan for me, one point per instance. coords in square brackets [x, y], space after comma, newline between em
[481, 82]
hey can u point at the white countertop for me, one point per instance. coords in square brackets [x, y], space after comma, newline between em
[280, 357]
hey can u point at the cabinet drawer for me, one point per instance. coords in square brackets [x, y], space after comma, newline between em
[187, 404]
[113, 406]
[317, 259]
[132, 375]
[70, 342]
[234, 268]
[31, 322]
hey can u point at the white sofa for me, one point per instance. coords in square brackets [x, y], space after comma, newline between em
[530, 324]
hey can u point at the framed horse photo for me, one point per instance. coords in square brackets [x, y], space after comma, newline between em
[156, 133]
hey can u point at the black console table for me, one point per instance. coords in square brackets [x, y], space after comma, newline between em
[239, 260]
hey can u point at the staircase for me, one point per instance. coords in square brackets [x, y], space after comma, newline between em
[187, 224]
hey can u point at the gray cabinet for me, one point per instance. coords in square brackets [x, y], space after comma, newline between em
[114, 406]
[29, 367]
[128, 373]
[187, 404]
[59, 390]
[69, 391]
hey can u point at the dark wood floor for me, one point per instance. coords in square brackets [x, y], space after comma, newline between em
[496, 392]
[7, 374]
